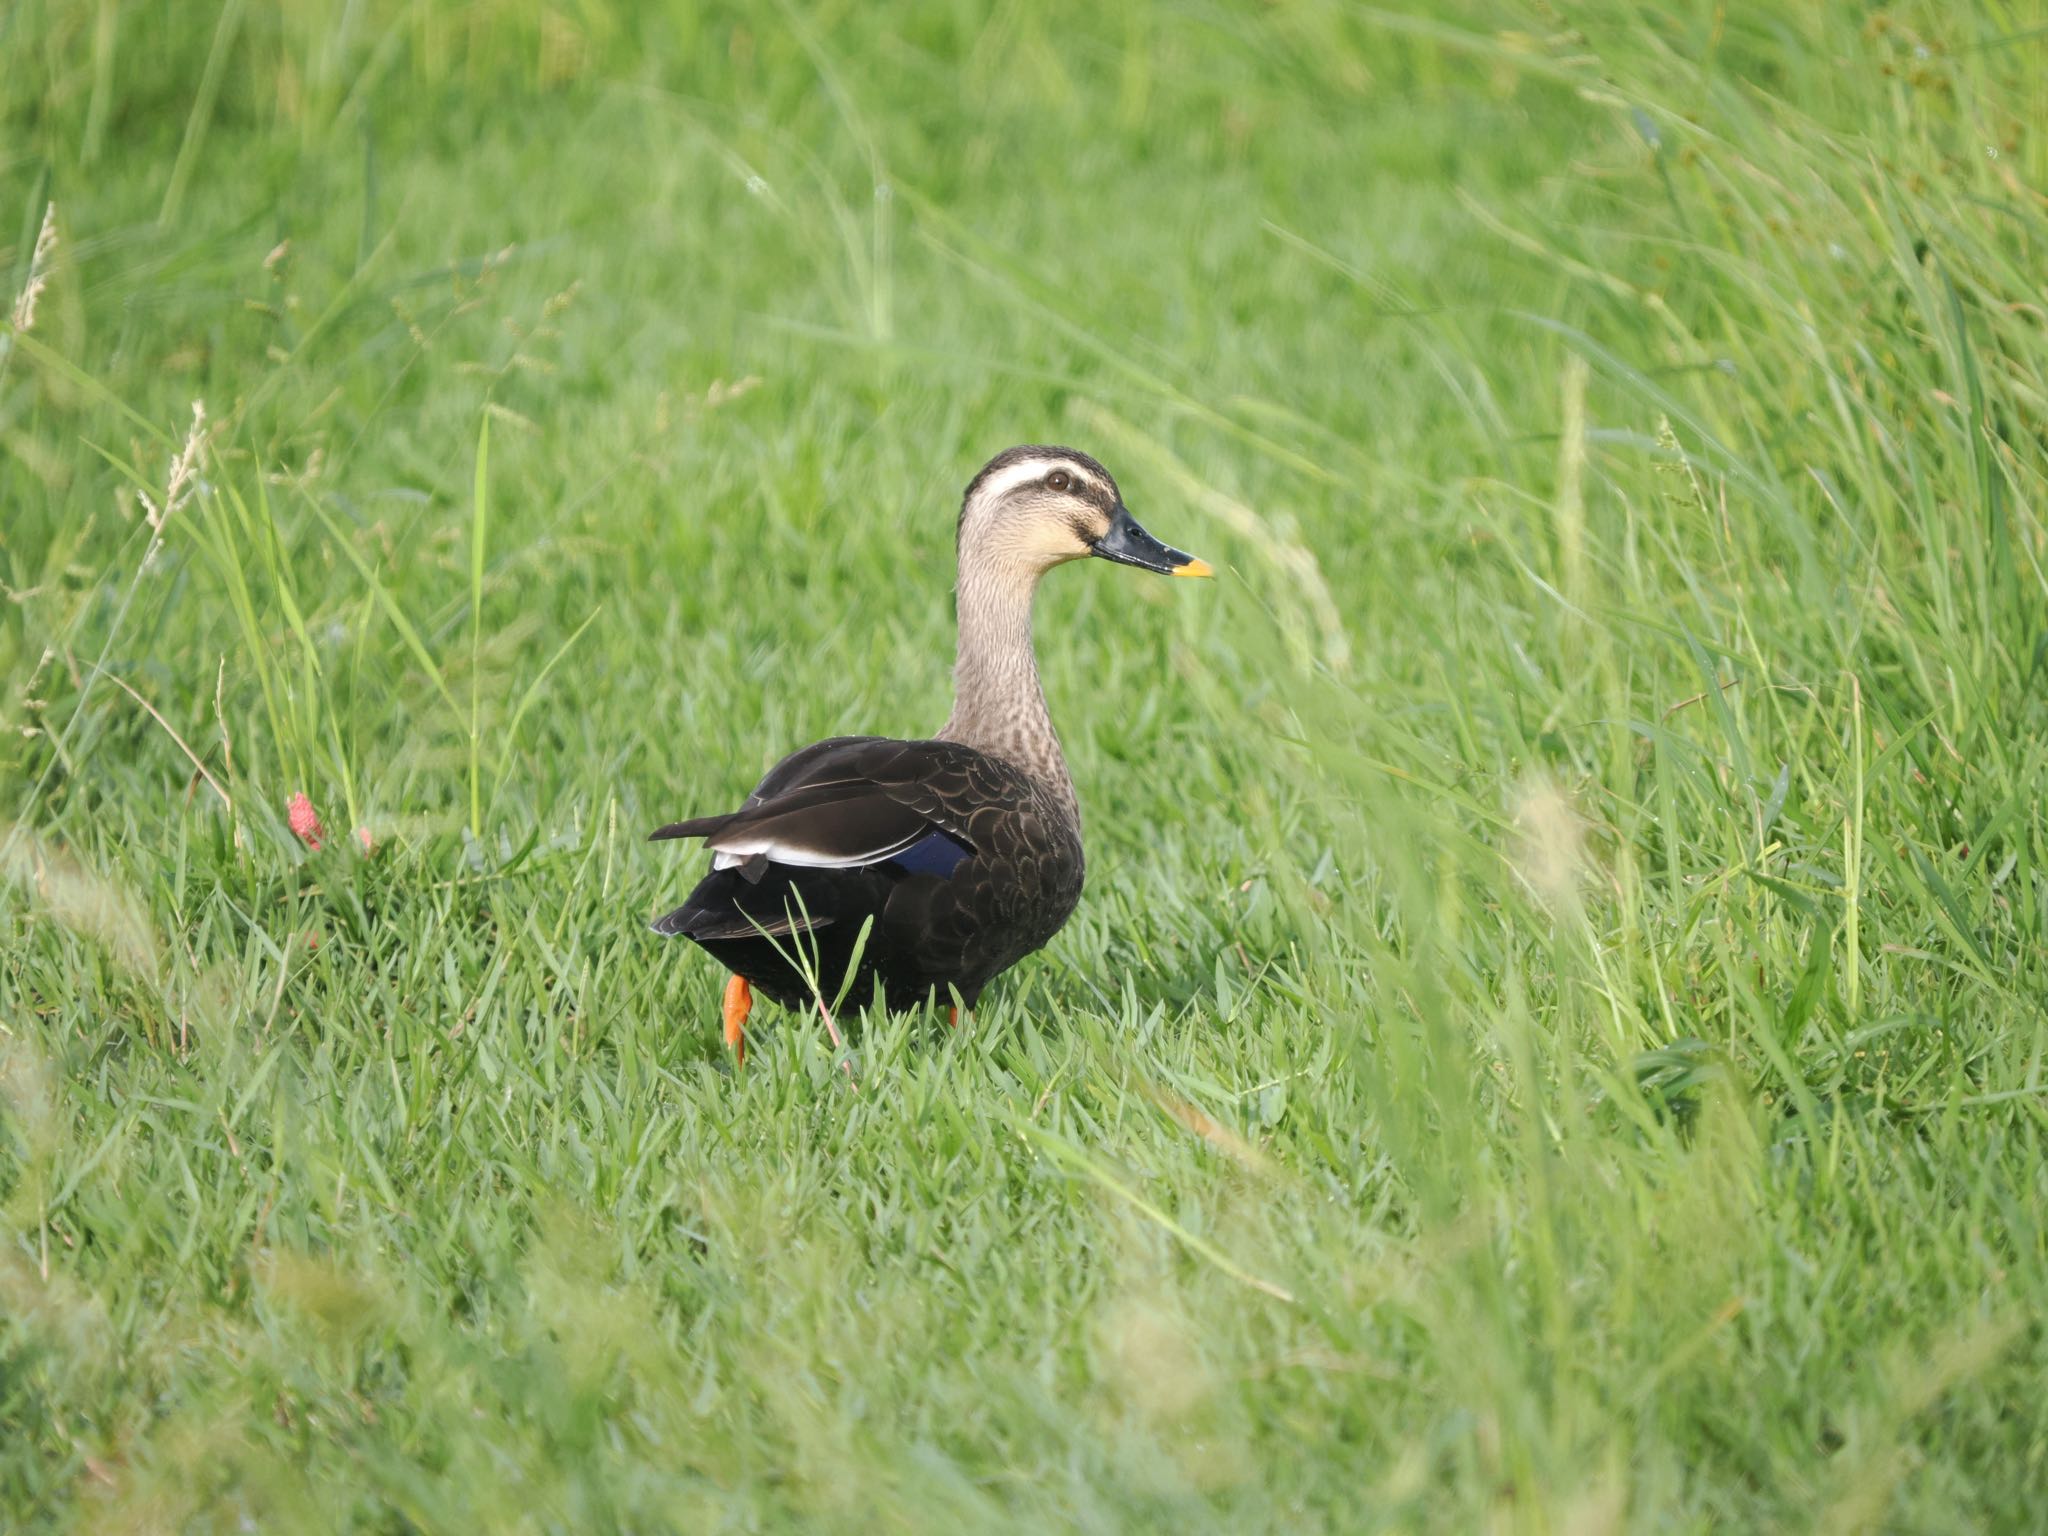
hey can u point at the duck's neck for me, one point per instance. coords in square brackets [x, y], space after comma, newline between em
[998, 706]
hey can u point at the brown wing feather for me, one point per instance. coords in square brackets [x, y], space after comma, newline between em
[851, 800]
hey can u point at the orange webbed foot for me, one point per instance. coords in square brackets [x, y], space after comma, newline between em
[739, 1002]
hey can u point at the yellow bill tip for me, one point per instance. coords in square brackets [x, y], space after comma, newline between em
[1194, 568]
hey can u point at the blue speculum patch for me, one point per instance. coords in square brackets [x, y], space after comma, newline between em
[936, 853]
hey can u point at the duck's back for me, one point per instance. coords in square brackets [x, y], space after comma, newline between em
[934, 863]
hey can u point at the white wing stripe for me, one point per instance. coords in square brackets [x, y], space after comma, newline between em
[728, 855]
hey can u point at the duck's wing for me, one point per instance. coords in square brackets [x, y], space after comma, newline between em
[856, 801]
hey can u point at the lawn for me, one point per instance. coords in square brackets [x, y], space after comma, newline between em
[1554, 1036]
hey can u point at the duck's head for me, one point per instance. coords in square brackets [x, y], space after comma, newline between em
[1031, 508]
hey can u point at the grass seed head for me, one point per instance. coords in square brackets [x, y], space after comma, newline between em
[181, 481]
[1550, 842]
[38, 272]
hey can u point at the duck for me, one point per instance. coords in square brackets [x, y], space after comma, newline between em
[923, 869]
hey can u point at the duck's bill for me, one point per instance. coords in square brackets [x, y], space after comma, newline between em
[1128, 544]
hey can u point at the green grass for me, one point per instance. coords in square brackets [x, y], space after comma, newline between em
[1554, 1037]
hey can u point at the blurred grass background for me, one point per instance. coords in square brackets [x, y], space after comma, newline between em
[1553, 1040]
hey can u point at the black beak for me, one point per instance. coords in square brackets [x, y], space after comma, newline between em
[1128, 544]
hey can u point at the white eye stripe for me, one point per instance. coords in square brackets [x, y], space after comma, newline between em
[1029, 472]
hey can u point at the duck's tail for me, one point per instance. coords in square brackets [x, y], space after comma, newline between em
[696, 826]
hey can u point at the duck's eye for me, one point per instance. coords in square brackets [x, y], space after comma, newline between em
[1059, 480]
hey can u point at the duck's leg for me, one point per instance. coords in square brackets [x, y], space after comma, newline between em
[953, 1016]
[739, 1002]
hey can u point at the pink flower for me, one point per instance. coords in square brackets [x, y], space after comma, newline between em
[369, 843]
[305, 821]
